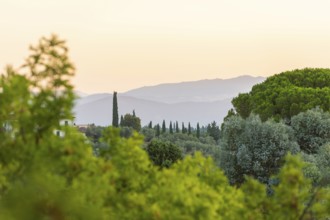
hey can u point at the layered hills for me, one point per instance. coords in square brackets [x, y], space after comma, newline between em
[201, 101]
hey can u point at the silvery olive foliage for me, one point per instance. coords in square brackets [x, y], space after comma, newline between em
[312, 129]
[254, 148]
[318, 165]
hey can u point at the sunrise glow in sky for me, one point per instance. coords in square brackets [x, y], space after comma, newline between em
[124, 44]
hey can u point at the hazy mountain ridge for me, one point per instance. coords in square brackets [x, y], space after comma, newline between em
[196, 91]
[157, 103]
[100, 111]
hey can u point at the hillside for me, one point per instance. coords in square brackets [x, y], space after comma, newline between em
[200, 101]
[100, 111]
[196, 91]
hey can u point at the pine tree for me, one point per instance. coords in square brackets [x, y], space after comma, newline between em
[189, 129]
[115, 110]
[163, 127]
[134, 113]
[198, 132]
[171, 128]
[150, 124]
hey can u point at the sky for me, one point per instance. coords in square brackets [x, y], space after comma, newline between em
[118, 45]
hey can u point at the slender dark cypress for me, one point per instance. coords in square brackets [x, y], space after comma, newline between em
[198, 132]
[115, 110]
[171, 128]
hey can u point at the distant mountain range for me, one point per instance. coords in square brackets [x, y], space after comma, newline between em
[201, 101]
[196, 91]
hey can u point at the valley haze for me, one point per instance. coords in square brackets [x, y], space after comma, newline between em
[200, 101]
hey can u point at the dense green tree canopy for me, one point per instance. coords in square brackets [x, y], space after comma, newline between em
[286, 94]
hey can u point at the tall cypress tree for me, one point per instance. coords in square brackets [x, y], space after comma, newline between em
[189, 129]
[150, 124]
[121, 121]
[198, 132]
[177, 130]
[163, 127]
[183, 128]
[157, 130]
[171, 128]
[115, 110]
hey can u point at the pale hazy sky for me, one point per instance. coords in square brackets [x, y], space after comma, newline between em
[124, 44]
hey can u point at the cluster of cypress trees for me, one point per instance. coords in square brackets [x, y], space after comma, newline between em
[174, 128]
[128, 120]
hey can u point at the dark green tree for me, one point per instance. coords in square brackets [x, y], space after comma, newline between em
[214, 131]
[150, 124]
[198, 131]
[163, 127]
[94, 133]
[189, 129]
[121, 121]
[242, 105]
[115, 110]
[177, 130]
[132, 122]
[163, 154]
[157, 130]
[184, 130]
[230, 113]
[171, 128]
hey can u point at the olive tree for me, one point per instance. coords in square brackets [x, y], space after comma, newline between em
[312, 129]
[254, 148]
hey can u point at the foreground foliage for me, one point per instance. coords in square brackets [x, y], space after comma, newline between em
[43, 176]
